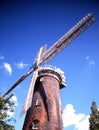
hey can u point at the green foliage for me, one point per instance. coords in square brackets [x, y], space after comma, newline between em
[6, 106]
[94, 117]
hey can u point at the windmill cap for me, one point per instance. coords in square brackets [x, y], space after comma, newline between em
[54, 72]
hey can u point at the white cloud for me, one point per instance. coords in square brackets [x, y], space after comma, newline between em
[10, 113]
[7, 67]
[84, 124]
[70, 117]
[12, 99]
[21, 65]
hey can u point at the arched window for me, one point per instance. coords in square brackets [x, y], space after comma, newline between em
[38, 102]
[35, 124]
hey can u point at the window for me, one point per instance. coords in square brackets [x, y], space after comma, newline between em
[38, 102]
[35, 125]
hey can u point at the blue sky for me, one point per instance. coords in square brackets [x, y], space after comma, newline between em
[25, 26]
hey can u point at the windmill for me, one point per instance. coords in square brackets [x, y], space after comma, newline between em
[56, 77]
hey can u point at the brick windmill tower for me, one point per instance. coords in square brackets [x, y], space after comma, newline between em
[45, 111]
[42, 104]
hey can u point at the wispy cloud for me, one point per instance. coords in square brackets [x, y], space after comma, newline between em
[21, 65]
[7, 67]
[87, 57]
[70, 117]
[90, 62]
[1, 57]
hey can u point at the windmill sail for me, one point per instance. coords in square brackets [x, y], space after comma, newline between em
[66, 39]
[19, 81]
[38, 61]
[29, 96]
[58, 46]
[40, 55]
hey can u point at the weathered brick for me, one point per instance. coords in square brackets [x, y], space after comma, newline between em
[46, 115]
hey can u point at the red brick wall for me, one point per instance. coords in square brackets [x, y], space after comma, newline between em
[48, 113]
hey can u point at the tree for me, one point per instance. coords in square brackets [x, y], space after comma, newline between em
[94, 117]
[6, 106]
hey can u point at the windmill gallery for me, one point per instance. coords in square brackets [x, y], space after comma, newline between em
[42, 104]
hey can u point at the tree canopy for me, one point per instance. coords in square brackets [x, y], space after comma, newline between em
[94, 117]
[6, 107]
